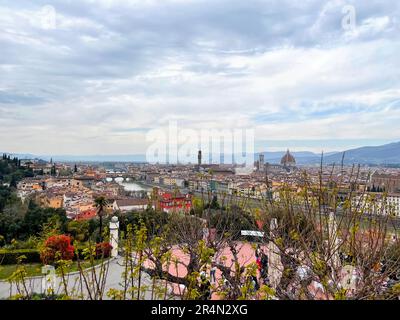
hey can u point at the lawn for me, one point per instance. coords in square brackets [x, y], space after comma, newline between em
[35, 269]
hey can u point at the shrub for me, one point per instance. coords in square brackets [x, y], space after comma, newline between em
[43, 296]
[103, 250]
[8, 257]
[57, 248]
[30, 243]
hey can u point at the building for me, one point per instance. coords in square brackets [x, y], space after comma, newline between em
[126, 205]
[288, 160]
[378, 203]
[199, 156]
[221, 172]
[31, 184]
[86, 215]
[174, 203]
[393, 200]
[385, 182]
[261, 162]
[54, 201]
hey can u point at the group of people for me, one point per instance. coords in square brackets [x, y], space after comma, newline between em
[262, 264]
[206, 280]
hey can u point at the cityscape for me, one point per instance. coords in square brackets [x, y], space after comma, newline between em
[173, 152]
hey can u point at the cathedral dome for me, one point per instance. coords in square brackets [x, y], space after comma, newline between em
[288, 160]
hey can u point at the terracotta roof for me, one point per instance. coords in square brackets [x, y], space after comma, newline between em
[86, 215]
[288, 159]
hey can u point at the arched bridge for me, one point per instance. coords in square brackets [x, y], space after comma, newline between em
[123, 176]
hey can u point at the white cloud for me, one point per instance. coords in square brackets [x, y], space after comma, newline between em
[110, 72]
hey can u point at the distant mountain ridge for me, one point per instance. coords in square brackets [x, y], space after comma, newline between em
[302, 157]
[385, 154]
[374, 155]
[81, 158]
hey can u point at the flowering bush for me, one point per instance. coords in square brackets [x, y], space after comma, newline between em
[57, 248]
[103, 250]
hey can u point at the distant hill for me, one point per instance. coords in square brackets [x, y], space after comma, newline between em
[374, 155]
[98, 158]
[79, 158]
[385, 154]
[22, 155]
[302, 157]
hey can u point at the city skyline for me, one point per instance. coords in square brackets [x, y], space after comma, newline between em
[89, 78]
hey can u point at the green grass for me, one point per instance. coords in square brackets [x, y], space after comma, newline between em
[32, 270]
[35, 269]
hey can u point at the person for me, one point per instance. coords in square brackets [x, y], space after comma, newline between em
[224, 282]
[264, 265]
[226, 287]
[213, 271]
[257, 252]
[203, 273]
[264, 260]
[302, 272]
[264, 273]
[255, 283]
[258, 262]
[265, 280]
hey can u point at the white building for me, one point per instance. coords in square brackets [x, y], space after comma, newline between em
[378, 203]
[125, 205]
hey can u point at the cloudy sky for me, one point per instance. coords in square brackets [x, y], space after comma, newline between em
[93, 77]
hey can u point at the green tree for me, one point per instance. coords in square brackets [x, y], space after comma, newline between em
[101, 204]
[36, 217]
[79, 230]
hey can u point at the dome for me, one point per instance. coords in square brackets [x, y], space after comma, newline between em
[288, 159]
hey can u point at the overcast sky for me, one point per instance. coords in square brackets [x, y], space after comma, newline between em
[101, 74]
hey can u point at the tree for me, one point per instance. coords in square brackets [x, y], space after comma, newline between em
[79, 230]
[101, 204]
[12, 222]
[53, 171]
[316, 237]
[319, 232]
[184, 233]
[5, 195]
[36, 217]
[13, 182]
[57, 248]
[103, 250]
[214, 203]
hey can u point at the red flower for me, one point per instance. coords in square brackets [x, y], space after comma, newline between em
[57, 248]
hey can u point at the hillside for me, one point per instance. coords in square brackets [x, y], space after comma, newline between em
[385, 154]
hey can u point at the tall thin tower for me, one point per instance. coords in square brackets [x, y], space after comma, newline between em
[261, 162]
[199, 160]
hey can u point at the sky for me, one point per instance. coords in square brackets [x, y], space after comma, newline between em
[95, 77]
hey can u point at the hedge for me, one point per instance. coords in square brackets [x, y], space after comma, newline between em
[8, 257]
[11, 256]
